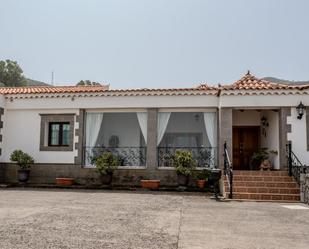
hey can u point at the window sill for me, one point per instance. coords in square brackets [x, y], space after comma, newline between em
[56, 148]
[119, 167]
[172, 168]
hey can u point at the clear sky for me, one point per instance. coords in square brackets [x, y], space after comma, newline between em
[158, 43]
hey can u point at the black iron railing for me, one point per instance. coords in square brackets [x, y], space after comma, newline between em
[294, 164]
[127, 156]
[205, 156]
[228, 171]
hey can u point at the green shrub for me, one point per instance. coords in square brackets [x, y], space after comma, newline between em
[203, 174]
[106, 163]
[23, 160]
[258, 157]
[183, 162]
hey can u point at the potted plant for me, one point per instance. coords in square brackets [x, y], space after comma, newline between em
[202, 177]
[106, 164]
[184, 165]
[24, 161]
[260, 159]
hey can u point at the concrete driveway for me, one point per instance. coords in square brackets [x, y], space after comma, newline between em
[108, 219]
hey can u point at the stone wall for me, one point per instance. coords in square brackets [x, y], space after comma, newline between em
[47, 174]
[225, 133]
[304, 188]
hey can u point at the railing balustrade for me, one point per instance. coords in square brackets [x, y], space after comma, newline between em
[294, 164]
[205, 156]
[128, 156]
[228, 171]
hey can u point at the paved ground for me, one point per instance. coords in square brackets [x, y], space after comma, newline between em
[96, 219]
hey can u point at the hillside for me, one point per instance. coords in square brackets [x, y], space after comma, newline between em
[31, 82]
[282, 81]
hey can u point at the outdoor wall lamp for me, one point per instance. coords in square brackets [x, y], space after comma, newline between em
[265, 124]
[300, 109]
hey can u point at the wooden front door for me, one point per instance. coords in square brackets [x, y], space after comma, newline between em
[245, 143]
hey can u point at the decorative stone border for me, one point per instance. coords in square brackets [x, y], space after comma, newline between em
[79, 132]
[46, 118]
[1, 125]
[304, 188]
[284, 129]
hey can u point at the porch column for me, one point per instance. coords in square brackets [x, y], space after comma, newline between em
[284, 129]
[152, 160]
[225, 133]
[79, 132]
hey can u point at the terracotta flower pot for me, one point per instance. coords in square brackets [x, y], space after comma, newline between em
[150, 184]
[65, 181]
[201, 183]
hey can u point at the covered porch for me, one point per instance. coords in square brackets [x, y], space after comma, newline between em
[255, 133]
[250, 130]
[148, 138]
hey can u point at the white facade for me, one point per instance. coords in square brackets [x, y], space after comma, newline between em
[21, 119]
[21, 130]
[298, 136]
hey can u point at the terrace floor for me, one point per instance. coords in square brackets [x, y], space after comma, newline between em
[51, 218]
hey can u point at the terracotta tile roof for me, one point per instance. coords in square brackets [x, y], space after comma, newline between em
[51, 89]
[104, 91]
[250, 82]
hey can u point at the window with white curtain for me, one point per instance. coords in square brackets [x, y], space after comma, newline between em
[192, 131]
[122, 133]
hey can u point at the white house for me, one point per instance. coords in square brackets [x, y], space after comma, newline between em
[62, 127]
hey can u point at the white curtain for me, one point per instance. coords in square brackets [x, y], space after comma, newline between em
[142, 120]
[93, 125]
[210, 119]
[163, 118]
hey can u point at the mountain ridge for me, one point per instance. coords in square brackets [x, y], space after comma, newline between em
[283, 81]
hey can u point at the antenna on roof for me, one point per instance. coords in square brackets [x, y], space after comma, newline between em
[52, 77]
[248, 72]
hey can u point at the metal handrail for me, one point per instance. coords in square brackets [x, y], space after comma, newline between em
[294, 164]
[228, 170]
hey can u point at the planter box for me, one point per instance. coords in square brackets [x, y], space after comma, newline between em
[65, 181]
[150, 184]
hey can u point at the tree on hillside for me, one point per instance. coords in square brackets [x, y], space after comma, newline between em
[11, 74]
[88, 83]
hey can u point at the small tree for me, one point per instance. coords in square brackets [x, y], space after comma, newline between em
[88, 83]
[11, 74]
[106, 163]
[23, 159]
[183, 162]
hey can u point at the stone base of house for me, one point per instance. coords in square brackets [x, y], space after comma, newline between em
[47, 174]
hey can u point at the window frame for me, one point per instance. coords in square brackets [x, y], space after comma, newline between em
[60, 135]
[46, 119]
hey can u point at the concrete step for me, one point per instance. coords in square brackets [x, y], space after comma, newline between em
[264, 186]
[264, 190]
[262, 178]
[260, 173]
[291, 184]
[267, 196]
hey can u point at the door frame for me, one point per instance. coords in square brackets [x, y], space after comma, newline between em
[258, 130]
